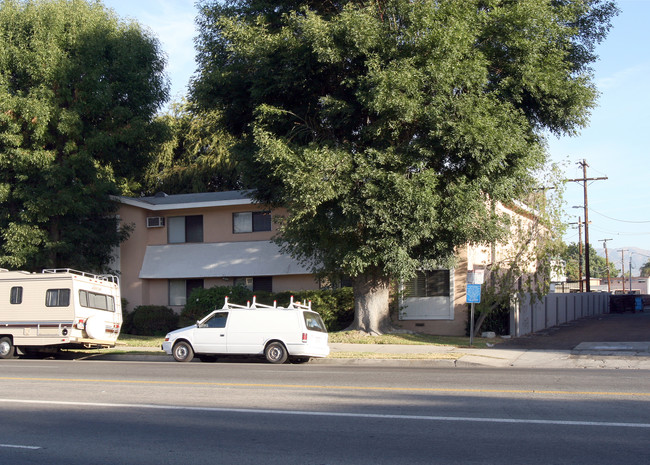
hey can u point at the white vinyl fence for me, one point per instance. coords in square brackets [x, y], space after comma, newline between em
[554, 309]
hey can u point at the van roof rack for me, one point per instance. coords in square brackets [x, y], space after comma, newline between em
[101, 277]
[255, 305]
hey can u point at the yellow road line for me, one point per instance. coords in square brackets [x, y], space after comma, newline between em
[337, 387]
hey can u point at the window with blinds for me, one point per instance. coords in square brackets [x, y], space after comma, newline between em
[433, 283]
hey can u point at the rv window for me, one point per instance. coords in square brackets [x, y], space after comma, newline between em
[57, 298]
[98, 301]
[16, 295]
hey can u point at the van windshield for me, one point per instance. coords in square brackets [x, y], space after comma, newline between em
[314, 322]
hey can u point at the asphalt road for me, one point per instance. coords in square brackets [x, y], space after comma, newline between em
[94, 412]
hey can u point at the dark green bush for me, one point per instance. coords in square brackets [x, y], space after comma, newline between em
[498, 321]
[203, 301]
[336, 307]
[150, 320]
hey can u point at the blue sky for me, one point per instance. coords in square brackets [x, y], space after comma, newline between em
[614, 145]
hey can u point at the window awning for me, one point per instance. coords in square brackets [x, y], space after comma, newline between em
[218, 260]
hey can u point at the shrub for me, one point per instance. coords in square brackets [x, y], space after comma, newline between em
[203, 301]
[336, 307]
[150, 320]
[498, 321]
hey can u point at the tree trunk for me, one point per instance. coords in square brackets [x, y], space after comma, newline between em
[371, 314]
[54, 237]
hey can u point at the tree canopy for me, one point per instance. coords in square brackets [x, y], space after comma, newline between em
[384, 127]
[79, 89]
[597, 264]
[197, 157]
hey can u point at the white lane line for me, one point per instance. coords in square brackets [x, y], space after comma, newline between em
[15, 446]
[333, 414]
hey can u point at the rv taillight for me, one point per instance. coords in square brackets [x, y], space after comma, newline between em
[304, 337]
[80, 323]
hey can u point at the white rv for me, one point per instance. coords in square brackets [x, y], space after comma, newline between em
[58, 308]
[295, 333]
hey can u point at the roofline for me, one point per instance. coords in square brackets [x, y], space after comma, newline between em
[176, 206]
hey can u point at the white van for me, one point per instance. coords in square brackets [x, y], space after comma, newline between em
[58, 308]
[295, 333]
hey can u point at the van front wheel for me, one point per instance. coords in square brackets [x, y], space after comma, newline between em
[275, 352]
[6, 348]
[183, 352]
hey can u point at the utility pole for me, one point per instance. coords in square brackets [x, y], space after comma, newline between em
[630, 272]
[584, 180]
[623, 268]
[609, 283]
[579, 252]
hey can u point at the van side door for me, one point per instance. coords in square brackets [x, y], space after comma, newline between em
[210, 336]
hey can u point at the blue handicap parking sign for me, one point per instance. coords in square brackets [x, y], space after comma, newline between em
[473, 293]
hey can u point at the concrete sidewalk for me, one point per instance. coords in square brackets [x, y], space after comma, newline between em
[632, 355]
[611, 355]
[620, 344]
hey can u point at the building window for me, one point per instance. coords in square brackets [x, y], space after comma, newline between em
[16, 296]
[245, 222]
[428, 284]
[57, 298]
[428, 296]
[182, 229]
[258, 283]
[181, 289]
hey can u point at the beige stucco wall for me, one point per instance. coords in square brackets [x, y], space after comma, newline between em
[134, 290]
[305, 282]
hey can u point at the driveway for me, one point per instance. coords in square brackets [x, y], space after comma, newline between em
[610, 327]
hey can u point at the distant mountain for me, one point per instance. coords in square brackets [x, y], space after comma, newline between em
[639, 258]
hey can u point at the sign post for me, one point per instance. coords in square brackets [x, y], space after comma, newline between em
[473, 297]
[474, 281]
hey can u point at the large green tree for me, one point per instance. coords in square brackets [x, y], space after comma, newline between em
[79, 89]
[645, 269]
[384, 126]
[197, 157]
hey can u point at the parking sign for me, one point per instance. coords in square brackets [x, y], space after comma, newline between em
[473, 293]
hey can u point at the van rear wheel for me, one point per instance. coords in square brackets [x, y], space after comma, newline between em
[275, 352]
[183, 352]
[7, 349]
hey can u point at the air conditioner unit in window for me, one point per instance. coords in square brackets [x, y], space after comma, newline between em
[249, 282]
[155, 222]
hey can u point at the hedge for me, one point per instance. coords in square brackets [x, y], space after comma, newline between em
[150, 320]
[336, 307]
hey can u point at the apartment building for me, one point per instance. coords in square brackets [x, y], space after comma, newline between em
[180, 242]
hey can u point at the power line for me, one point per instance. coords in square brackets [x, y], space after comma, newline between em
[622, 221]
